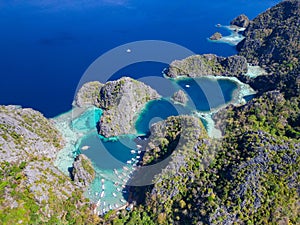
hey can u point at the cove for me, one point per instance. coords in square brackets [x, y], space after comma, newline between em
[203, 95]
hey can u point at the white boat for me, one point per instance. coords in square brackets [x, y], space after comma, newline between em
[110, 207]
[114, 194]
[129, 162]
[138, 146]
[118, 189]
[122, 200]
[102, 180]
[116, 171]
[98, 203]
[124, 191]
[103, 187]
[125, 168]
[138, 157]
[116, 205]
[104, 203]
[139, 152]
[128, 50]
[132, 151]
[102, 194]
[187, 85]
[96, 193]
[86, 147]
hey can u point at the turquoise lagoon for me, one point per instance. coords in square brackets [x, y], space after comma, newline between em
[114, 159]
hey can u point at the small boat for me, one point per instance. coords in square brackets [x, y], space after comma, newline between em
[124, 191]
[122, 200]
[129, 162]
[187, 85]
[134, 165]
[118, 189]
[132, 151]
[138, 157]
[125, 168]
[86, 147]
[116, 171]
[104, 203]
[96, 193]
[114, 194]
[98, 203]
[110, 207]
[139, 152]
[128, 50]
[103, 187]
[116, 183]
[102, 194]
[123, 186]
[116, 205]
[102, 180]
[138, 146]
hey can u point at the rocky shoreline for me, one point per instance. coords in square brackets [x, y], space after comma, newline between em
[251, 174]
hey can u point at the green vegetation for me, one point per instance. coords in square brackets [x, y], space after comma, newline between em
[27, 210]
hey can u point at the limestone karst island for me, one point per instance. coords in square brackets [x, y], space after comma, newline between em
[214, 140]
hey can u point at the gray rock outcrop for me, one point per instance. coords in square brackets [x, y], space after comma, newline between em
[25, 133]
[121, 101]
[240, 21]
[83, 172]
[88, 94]
[180, 97]
[216, 36]
[208, 64]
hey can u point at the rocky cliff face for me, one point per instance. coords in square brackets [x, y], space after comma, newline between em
[273, 38]
[25, 133]
[32, 189]
[121, 101]
[208, 64]
[240, 21]
[83, 172]
[88, 94]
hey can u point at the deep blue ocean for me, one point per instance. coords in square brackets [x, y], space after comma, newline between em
[46, 45]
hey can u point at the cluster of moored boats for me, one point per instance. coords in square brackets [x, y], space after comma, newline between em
[121, 176]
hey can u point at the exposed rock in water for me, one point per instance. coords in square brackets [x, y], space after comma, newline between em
[121, 101]
[88, 94]
[240, 21]
[208, 64]
[216, 36]
[180, 97]
[83, 172]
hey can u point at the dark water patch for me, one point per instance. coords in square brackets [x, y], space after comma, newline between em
[155, 111]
